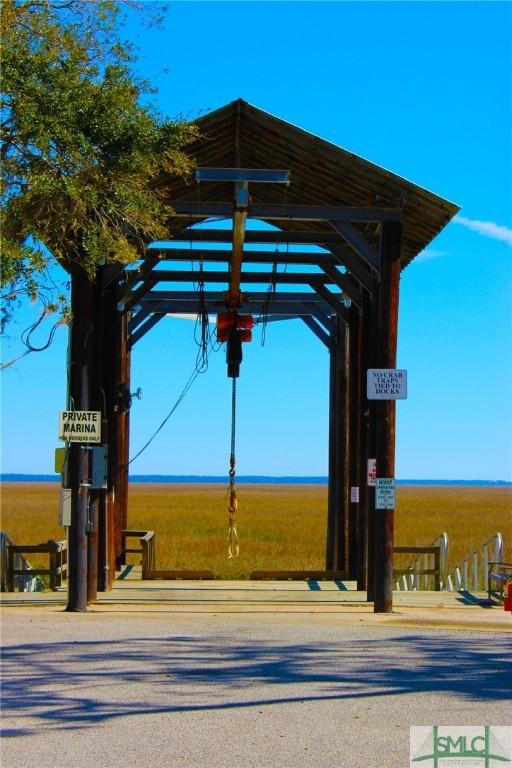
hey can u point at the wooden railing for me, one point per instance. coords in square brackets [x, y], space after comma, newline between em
[146, 548]
[409, 577]
[57, 567]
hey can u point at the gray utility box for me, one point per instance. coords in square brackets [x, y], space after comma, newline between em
[98, 466]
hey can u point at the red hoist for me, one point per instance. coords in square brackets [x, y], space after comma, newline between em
[232, 327]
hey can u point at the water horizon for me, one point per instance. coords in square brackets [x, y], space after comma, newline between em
[16, 477]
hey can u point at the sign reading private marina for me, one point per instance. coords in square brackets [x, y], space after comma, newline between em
[386, 384]
[80, 426]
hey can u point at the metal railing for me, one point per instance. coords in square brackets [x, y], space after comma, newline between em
[499, 575]
[428, 570]
[472, 573]
[19, 569]
[146, 549]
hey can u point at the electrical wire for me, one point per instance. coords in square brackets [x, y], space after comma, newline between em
[183, 393]
[27, 334]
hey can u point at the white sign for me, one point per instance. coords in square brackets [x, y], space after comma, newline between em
[385, 493]
[372, 471]
[386, 384]
[354, 493]
[80, 426]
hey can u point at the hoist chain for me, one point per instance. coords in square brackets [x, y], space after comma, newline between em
[233, 545]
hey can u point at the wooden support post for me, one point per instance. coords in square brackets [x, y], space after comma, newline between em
[355, 362]
[92, 547]
[52, 566]
[11, 555]
[391, 238]
[338, 493]
[110, 376]
[97, 404]
[332, 465]
[123, 449]
[370, 361]
[78, 461]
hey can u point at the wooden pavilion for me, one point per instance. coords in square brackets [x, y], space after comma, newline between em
[346, 229]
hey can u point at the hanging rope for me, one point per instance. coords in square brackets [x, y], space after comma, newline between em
[233, 545]
[269, 298]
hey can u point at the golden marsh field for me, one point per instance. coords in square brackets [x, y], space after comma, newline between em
[280, 526]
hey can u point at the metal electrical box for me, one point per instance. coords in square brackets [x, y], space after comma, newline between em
[98, 466]
[65, 507]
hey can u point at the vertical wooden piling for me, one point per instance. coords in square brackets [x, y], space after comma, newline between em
[123, 436]
[110, 375]
[387, 335]
[329, 545]
[355, 355]
[339, 492]
[78, 460]
[371, 361]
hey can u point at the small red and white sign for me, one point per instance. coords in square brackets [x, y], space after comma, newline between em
[372, 471]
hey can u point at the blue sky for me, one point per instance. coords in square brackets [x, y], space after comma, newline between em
[422, 89]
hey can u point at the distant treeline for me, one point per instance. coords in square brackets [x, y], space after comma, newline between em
[256, 479]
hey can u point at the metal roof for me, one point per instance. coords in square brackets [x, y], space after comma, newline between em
[240, 135]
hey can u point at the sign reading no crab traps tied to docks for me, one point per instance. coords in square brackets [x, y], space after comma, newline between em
[80, 426]
[386, 384]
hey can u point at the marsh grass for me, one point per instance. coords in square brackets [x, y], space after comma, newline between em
[280, 526]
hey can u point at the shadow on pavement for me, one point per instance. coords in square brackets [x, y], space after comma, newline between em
[75, 684]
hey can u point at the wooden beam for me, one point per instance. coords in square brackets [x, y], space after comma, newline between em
[323, 317]
[352, 262]
[327, 575]
[250, 257]
[129, 298]
[346, 283]
[143, 329]
[317, 330]
[194, 209]
[254, 297]
[235, 264]
[358, 243]
[132, 297]
[283, 311]
[138, 317]
[256, 236]
[137, 275]
[332, 299]
[256, 175]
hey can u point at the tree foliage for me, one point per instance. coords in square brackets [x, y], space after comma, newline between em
[80, 150]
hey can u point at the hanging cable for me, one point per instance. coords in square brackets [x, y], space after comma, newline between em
[184, 391]
[27, 334]
[201, 327]
[233, 543]
[269, 298]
